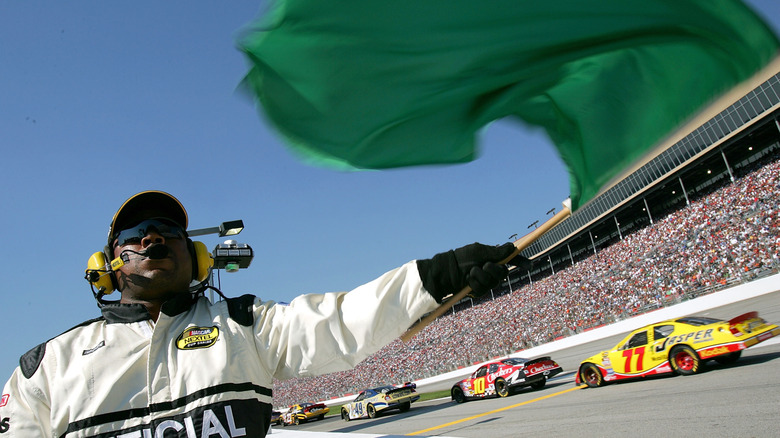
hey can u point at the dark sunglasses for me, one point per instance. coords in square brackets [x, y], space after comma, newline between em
[165, 228]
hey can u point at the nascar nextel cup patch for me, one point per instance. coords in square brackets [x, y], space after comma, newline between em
[197, 337]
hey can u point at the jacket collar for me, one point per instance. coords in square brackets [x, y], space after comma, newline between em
[179, 304]
[117, 313]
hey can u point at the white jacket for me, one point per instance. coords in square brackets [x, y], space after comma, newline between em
[202, 369]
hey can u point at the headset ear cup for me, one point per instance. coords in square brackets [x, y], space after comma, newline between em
[106, 282]
[202, 261]
[108, 252]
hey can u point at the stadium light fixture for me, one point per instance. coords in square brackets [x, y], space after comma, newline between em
[229, 228]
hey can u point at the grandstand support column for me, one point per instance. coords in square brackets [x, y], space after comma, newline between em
[592, 243]
[647, 209]
[529, 278]
[549, 259]
[685, 192]
[617, 224]
[731, 175]
[571, 257]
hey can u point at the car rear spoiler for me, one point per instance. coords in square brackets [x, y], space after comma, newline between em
[743, 317]
[734, 322]
[399, 389]
[537, 360]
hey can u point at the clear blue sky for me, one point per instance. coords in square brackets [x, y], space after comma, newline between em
[101, 100]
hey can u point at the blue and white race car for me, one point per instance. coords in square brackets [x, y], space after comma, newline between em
[370, 402]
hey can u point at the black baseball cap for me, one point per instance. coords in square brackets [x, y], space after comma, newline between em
[146, 205]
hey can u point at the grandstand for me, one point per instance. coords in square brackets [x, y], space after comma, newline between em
[727, 146]
[702, 215]
[718, 151]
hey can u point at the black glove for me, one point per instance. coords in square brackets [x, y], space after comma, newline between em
[474, 265]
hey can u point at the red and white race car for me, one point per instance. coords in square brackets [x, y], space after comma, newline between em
[502, 377]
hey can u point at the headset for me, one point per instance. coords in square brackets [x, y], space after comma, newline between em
[101, 274]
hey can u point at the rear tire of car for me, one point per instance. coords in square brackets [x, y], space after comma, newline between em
[684, 360]
[344, 415]
[296, 421]
[540, 384]
[502, 389]
[591, 375]
[371, 411]
[405, 406]
[728, 359]
[457, 395]
[321, 417]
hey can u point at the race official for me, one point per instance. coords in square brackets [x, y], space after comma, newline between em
[164, 361]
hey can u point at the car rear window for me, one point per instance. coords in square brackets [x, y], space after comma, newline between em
[698, 320]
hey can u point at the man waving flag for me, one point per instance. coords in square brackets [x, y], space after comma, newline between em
[375, 84]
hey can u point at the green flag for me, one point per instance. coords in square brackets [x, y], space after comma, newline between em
[383, 84]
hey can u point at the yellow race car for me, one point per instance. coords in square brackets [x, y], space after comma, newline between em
[679, 345]
[304, 412]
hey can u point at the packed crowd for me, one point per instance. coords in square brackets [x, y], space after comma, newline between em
[724, 237]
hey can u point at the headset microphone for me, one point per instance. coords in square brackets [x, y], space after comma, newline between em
[156, 252]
